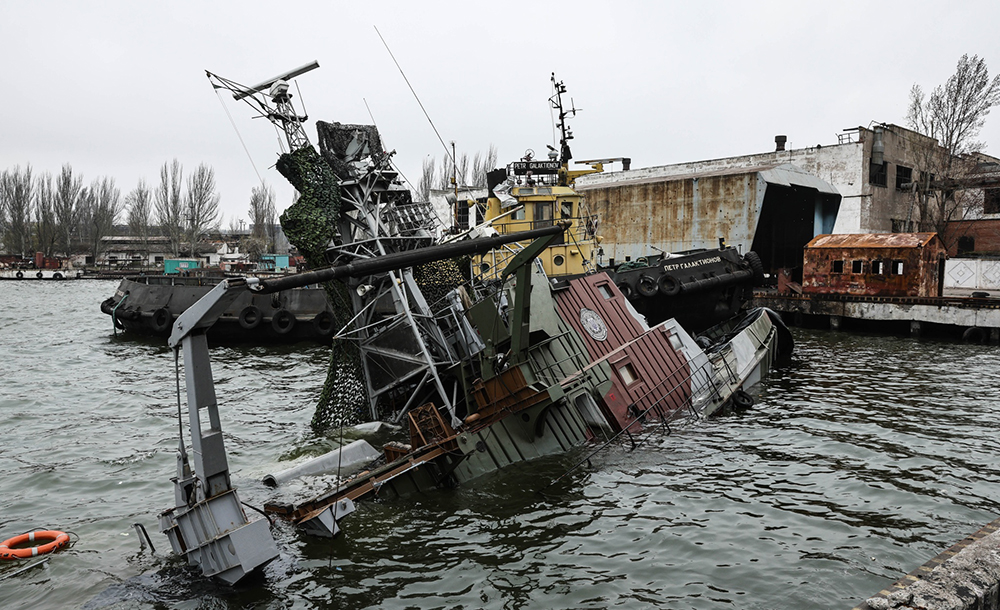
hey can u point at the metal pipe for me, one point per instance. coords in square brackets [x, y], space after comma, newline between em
[400, 260]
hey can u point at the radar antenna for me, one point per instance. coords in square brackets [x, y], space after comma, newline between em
[275, 105]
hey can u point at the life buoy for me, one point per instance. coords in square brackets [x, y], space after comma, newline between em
[57, 541]
[19, 275]
[283, 321]
[57, 276]
[39, 275]
[646, 286]
[323, 323]
[669, 285]
[160, 320]
[250, 317]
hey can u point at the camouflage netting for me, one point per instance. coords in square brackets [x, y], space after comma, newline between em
[310, 224]
[438, 278]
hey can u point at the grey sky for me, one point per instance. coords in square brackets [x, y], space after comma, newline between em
[117, 88]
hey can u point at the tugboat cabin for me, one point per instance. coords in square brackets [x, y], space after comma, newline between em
[874, 264]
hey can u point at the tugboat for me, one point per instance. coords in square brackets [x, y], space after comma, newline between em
[482, 373]
[698, 288]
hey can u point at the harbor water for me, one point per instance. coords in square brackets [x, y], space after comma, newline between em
[865, 458]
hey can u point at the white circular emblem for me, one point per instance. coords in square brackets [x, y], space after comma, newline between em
[593, 324]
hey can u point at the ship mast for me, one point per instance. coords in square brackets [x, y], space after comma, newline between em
[565, 135]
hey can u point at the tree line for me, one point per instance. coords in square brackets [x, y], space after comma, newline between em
[61, 215]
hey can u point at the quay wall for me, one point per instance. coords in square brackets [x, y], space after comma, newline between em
[966, 576]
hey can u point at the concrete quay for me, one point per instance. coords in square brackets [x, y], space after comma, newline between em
[959, 316]
[964, 577]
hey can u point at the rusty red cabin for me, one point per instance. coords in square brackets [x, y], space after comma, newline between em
[874, 264]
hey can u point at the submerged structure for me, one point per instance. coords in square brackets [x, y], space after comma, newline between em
[481, 369]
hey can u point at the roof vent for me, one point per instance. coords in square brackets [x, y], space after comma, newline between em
[779, 143]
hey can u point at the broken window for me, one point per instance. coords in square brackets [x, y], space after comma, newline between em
[857, 266]
[904, 175]
[838, 266]
[878, 267]
[897, 267]
[627, 373]
[878, 174]
[991, 201]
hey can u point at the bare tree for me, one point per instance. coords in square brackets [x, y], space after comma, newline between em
[47, 230]
[426, 182]
[106, 205]
[954, 114]
[262, 220]
[481, 165]
[66, 207]
[169, 204]
[16, 188]
[202, 202]
[140, 213]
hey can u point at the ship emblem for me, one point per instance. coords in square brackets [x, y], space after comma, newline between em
[593, 324]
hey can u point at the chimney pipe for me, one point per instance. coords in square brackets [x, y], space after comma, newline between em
[779, 143]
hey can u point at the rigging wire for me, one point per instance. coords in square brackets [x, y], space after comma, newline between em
[447, 152]
[239, 135]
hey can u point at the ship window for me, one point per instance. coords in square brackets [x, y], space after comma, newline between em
[543, 214]
[519, 214]
[897, 267]
[484, 267]
[566, 209]
[838, 266]
[558, 260]
[627, 373]
[605, 291]
[857, 266]
[878, 268]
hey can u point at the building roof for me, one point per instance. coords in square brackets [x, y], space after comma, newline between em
[872, 240]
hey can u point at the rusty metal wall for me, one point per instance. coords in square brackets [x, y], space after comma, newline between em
[676, 215]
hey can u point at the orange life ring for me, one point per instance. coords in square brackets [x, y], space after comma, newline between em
[58, 540]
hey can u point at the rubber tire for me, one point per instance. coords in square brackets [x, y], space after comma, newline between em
[742, 400]
[757, 267]
[625, 289]
[19, 275]
[57, 276]
[250, 317]
[39, 275]
[282, 322]
[646, 286]
[323, 323]
[669, 285]
[975, 334]
[160, 320]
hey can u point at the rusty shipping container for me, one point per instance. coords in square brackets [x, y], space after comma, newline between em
[875, 264]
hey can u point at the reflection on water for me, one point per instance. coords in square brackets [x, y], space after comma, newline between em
[864, 459]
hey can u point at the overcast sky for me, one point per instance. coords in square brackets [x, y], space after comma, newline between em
[117, 88]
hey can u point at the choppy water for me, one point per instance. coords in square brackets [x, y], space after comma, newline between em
[866, 458]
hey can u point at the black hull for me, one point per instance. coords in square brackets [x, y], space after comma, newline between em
[698, 288]
[154, 302]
